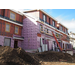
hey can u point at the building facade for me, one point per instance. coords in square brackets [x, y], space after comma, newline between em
[32, 30]
[11, 24]
[38, 32]
[72, 39]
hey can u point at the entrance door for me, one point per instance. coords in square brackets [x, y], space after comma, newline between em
[7, 42]
[15, 44]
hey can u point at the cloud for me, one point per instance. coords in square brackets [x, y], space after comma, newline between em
[70, 24]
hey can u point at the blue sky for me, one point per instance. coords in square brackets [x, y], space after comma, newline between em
[64, 16]
[67, 14]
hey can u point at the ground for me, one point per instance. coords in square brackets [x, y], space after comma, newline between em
[18, 56]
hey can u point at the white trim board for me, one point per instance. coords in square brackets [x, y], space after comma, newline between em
[18, 38]
[11, 21]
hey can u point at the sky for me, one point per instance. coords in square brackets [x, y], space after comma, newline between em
[63, 16]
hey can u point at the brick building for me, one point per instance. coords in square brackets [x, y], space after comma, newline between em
[32, 30]
[37, 32]
[11, 24]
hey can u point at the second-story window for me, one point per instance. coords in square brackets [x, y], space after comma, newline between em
[16, 29]
[7, 27]
[12, 16]
[53, 22]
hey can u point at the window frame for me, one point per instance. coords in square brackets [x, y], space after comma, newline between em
[44, 18]
[54, 23]
[61, 28]
[9, 27]
[41, 27]
[47, 30]
[15, 30]
[10, 16]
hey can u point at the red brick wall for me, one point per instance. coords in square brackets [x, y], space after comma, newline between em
[1, 12]
[41, 15]
[7, 14]
[47, 19]
[24, 17]
[51, 21]
[55, 23]
[12, 29]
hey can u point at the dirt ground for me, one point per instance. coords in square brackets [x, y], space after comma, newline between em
[57, 63]
[17, 56]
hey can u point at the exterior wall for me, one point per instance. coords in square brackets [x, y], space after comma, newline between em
[34, 14]
[48, 39]
[12, 41]
[12, 29]
[2, 41]
[29, 32]
[72, 39]
[47, 19]
[40, 15]
[64, 37]
[6, 14]
[19, 41]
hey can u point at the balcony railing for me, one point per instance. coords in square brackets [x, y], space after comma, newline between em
[10, 19]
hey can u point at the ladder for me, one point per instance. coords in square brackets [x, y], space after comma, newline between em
[57, 41]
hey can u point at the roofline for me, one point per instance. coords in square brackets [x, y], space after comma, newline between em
[63, 25]
[40, 10]
[18, 12]
[45, 24]
[45, 13]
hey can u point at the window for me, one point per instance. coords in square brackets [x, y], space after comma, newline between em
[44, 18]
[41, 27]
[66, 31]
[53, 23]
[47, 30]
[12, 16]
[61, 28]
[7, 42]
[16, 29]
[7, 27]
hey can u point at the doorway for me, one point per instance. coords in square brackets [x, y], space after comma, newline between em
[63, 46]
[15, 44]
